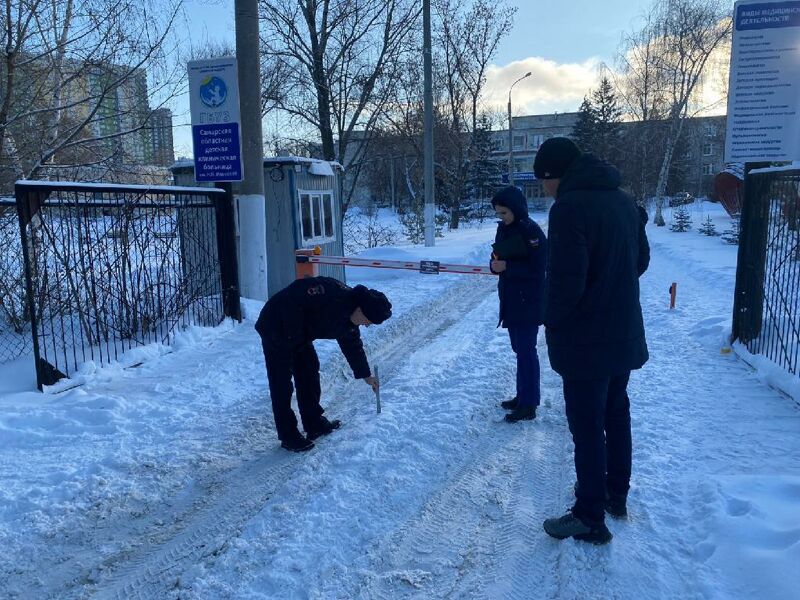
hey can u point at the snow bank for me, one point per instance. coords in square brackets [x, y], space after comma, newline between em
[770, 373]
[751, 522]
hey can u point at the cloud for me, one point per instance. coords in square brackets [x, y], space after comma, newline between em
[551, 87]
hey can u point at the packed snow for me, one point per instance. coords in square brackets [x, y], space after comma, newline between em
[161, 477]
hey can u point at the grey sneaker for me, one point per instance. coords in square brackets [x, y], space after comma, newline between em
[571, 526]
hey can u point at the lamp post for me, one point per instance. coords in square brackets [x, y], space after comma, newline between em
[430, 206]
[510, 132]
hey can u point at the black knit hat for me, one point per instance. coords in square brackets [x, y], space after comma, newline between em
[554, 158]
[374, 304]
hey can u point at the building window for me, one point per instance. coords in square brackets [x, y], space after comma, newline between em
[708, 169]
[708, 149]
[316, 217]
[519, 141]
[536, 141]
[711, 130]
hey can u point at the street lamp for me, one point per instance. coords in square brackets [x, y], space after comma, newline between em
[510, 133]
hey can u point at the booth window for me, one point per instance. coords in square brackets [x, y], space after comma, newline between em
[316, 217]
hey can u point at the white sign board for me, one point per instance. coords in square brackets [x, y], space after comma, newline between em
[764, 93]
[214, 103]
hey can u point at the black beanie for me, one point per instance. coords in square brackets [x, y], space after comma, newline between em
[374, 304]
[554, 158]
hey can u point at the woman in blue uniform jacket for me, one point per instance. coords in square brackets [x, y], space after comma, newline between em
[520, 259]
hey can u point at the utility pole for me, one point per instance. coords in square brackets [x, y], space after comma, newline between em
[510, 132]
[430, 211]
[250, 202]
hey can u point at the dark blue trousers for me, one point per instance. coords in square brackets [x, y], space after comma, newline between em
[523, 343]
[598, 412]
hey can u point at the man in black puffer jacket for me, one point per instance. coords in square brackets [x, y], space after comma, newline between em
[307, 310]
[594, 327]
[520, 257]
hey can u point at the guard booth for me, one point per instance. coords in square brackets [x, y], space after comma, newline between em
[304, 210]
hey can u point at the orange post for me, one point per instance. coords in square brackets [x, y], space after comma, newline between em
[305, 268]
[673, 292]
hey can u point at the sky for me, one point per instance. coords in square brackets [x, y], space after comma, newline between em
[563, 49]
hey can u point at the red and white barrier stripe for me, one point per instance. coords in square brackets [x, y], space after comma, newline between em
[424, 266]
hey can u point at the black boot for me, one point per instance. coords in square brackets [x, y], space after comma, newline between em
[526, 413]
[297, 443]
[510, 404]
[617, 505]
[571, 526]
[322, 427]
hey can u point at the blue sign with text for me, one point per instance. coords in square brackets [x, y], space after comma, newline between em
[520, 176]
[217, 152]
[214, 103]
[770, 15]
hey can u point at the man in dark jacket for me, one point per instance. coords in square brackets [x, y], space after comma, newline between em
[519, 257]
[594, 327]
[307, 310]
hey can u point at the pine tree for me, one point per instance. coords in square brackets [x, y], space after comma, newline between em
[681, 220]
[608, 115]
[583, 134]
[484, 174]
[732, 235]
[708, 228]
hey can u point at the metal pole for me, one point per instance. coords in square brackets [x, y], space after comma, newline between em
[430, 211]
[510, 132]
[391, 184]
[251, 205]
[748, 300]
[510, 144]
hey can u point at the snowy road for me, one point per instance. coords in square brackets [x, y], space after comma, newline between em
[436, 497]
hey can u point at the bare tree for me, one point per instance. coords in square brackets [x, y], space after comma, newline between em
[340, 59]
[72, 78]
[467, 40]
[665, 64]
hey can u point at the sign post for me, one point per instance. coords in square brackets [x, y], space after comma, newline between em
[764, 90]
[214, 103]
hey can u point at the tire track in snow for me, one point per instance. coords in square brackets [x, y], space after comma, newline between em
[168, 543]
[448, 538]
[523, 555]
[484, 519]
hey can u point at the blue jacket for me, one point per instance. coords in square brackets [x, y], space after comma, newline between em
[521, 285]
[598, 250]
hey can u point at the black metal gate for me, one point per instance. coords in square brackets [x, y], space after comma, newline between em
[767, 302]
[109, 267]
[15, 335]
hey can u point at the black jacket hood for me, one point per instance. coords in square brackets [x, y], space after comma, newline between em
[517, 205]
[589, 173]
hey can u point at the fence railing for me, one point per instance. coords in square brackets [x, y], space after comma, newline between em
[109, 267]
[15, 330]
[767, 299]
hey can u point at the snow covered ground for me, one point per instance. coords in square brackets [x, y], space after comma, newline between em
[166, 481]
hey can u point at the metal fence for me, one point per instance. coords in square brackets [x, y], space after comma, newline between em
[15, 331]
[108, 268]
[767, 301]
